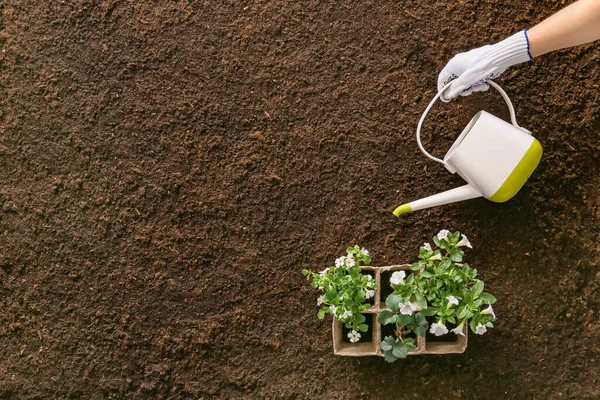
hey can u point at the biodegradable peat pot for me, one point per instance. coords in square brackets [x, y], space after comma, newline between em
[342, 347]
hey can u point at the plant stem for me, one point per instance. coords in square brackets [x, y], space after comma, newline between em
[399, 332]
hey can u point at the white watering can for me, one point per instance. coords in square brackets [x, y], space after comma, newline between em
[493, 156]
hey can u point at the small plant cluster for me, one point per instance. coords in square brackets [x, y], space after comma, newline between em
[441, 288]
[346, 291]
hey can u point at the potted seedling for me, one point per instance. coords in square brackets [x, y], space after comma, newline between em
[407, 322]
[395, 311]
[347, 290]
[445, 297]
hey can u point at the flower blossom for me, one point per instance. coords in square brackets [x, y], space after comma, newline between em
[349, 261]
[339, 262]
[324, 272]
[443, 234]
[427, 246]
[369, 293]
[320, 300]
[480, 329]
[438, 329]
[436, 257]
[459, 329]
[346, 314]
[407, 308]
[489, 310]
[364, 251]
[464, 242]
[370, 283]
[332, 309]
[354, 336]
[452, 300]
[397, 277]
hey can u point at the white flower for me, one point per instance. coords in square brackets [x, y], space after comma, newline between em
[346, 314]
[332, 309]
[369, 293]
[443, 234]
[354, 336]
[324, 272]
[464, 242]
[340, 262]
[438, 329]
[364, 251]
[349, 261]
[459, 329]
[407, 308]
[427, 246]
[489, 310]
[452, 300]
[397, 277]
[480, 330]
[435, 257]
[320, 300]
[370, 283]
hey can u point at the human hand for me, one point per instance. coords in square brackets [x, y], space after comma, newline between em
[470, 71]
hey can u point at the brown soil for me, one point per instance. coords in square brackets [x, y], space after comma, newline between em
[168, 169]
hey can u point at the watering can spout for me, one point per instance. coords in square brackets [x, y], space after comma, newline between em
[461, 193]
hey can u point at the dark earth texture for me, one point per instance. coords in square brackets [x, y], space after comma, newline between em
[167, 169]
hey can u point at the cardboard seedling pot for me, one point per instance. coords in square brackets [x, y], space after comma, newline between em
[371, 348]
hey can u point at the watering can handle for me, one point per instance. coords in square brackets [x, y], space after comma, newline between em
[437, 96]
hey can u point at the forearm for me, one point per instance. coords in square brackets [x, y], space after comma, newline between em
[576, 24]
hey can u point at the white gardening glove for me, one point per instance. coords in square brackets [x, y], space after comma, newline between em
[470, 71]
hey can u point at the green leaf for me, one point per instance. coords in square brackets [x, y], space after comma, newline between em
[329, 295]
[385, 346]
[487, 298]
[477, 288]
[393, 302]
[361, 318]
[386, 317]
[389, 357]
[473, 325]
[363, 327]
[390, 340]
[321, 314]
[400, 350]
[420, 331]
[411, 347]
[415, 267]
[360, 296]
[462, 311]
[430, 312]
[421, 321]
[451, 319]
[437, 241]
[456, 256]
[425, 274]
[421, 302]
[402, 319]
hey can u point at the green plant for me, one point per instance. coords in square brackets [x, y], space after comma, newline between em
[443, 288]
[346, 291]
[407, 319]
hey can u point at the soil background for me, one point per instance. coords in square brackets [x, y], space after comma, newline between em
[167, 169]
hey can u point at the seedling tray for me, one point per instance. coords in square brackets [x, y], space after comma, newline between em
[371, 348]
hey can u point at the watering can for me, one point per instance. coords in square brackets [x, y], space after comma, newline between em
[494, 157]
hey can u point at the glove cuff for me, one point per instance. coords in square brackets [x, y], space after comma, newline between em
[511, 51]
